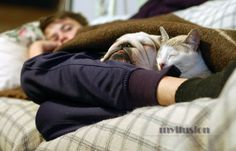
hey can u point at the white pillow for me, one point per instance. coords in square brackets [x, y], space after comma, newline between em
[13, 52]
[106, 19]
[212, 14]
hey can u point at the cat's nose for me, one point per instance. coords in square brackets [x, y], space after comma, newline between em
[161, 65]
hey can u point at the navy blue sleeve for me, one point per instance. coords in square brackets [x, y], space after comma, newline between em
[77, 77]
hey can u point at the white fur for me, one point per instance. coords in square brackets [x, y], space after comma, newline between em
[136, 40]
[143, 52]
[190, 64]
[182, 51]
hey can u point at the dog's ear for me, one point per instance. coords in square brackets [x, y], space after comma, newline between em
[164, 35]
[156, 40]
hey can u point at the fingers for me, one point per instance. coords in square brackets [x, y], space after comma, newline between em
[143, 38]
[42, 46]
[49, 46]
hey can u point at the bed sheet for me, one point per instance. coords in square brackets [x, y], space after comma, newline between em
[204, 124]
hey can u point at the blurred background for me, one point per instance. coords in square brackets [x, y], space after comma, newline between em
[14, 13]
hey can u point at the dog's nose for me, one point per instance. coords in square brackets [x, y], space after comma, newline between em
[161, 65]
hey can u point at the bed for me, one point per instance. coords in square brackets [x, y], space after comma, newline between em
[203, 124]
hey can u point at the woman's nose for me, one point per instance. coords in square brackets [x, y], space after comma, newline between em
[63, 38]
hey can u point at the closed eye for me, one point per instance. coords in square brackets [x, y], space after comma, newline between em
[66, 28]
[171, 56]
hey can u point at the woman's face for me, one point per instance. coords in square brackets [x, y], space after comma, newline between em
[62, 30]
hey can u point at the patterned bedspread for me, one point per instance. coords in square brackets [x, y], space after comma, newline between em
[204, 124]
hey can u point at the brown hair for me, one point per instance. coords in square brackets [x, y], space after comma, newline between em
[44, 22]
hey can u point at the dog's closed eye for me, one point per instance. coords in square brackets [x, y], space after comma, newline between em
[126, 45]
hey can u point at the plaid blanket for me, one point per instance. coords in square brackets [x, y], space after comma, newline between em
[204, 124]
[17, 125]
[213, 14]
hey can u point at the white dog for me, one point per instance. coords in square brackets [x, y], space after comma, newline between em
[139, 49]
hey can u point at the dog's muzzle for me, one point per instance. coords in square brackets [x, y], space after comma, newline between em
[121, 56]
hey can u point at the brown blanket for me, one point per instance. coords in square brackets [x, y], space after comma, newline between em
[14, 93]
[218, 46]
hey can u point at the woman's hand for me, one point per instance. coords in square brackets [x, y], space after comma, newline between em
[42, 46]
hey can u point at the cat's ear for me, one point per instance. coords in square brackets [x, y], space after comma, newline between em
[164, 35]
[193, 39]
